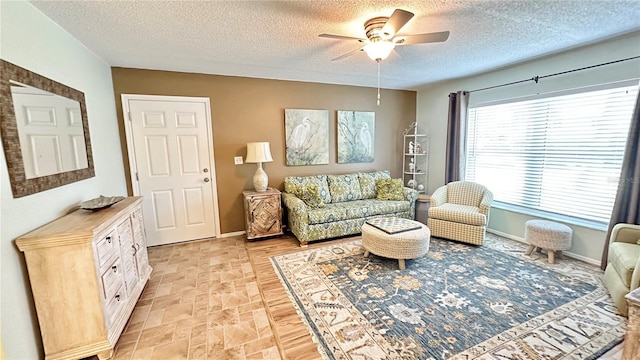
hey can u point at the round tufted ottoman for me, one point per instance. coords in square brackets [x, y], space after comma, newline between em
[403, 245]
[548, 235]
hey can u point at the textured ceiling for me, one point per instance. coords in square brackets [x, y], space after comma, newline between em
[279, 39]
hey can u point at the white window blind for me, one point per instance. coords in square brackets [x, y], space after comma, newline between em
[559, 154]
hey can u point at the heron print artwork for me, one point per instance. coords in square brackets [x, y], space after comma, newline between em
[307, 136]
[356, 138]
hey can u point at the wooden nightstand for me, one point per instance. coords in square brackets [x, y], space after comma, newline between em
[263, 213]
[631, 343]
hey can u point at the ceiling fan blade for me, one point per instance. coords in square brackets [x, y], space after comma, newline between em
[340, 37]
[398, 19]
[347, 54]
[421, 38]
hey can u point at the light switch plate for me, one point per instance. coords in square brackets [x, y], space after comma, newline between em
[237, 160]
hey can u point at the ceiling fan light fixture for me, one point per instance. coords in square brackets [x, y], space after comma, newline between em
[378, 49]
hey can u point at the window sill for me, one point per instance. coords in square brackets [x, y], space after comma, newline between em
[594, 225]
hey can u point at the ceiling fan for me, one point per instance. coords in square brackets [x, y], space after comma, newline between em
[382, 36]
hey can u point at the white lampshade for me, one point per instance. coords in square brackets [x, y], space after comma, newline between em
[258, 152]
[378, 49]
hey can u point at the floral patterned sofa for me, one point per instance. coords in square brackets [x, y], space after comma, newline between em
[328, 206]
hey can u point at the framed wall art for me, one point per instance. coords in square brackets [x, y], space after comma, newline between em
[307, 137]
[356, 136]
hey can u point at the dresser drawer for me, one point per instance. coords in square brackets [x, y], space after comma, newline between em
[112, 279]
[107, 247]
[114, 304]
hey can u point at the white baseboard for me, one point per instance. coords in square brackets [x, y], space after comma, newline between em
[235, 233]
[569, 254]
[508, 236]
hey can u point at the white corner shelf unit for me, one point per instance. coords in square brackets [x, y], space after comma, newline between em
[415, 159]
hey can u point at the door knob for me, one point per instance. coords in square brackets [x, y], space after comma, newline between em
[205, 170]
[206, 179]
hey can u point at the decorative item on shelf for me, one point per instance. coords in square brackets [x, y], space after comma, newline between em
[411, 183]
[100, 202]
[415, 157]
[259, 152]
[420, 187]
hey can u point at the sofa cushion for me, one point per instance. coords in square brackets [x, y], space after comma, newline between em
[294, 182]
[623, 257]
[368, 182]
[344, 187]
[309, 194]
[356, 209]
[458, 213]
[390, 189]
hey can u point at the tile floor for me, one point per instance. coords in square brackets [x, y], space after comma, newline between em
[202, 301]
[220, 299]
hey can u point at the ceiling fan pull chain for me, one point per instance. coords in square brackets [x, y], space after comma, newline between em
[378, 82]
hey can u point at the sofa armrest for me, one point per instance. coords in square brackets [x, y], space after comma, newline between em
[410, 194]
[439, 196]
[628, 233]
[294, 204]
[485, 204]
[298, 215]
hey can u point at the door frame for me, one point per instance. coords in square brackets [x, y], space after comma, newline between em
[133, 166]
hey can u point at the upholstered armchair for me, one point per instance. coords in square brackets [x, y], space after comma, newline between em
[460, 211]
[622, 273]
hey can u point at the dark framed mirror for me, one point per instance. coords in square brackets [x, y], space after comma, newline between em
[45, 131]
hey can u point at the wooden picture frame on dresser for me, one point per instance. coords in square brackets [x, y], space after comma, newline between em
[87, 270]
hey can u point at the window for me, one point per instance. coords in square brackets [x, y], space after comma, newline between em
[559, 154]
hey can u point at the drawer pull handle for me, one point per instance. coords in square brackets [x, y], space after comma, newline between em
[133, 250]
[118, 298]
[109, 239]
[114, 268]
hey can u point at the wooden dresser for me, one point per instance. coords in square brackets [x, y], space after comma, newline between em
[263, 213]
[87, 270]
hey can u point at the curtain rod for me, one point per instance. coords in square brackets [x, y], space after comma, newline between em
[537, 78]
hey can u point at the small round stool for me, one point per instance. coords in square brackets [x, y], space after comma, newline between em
[404, 245]
[548, 235]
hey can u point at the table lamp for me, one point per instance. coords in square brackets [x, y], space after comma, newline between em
[259, 152]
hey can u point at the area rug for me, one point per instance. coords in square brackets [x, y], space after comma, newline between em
[457, 302]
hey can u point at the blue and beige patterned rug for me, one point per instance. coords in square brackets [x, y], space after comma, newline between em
[457, 302]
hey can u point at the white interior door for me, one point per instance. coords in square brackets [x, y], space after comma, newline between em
[171, 155]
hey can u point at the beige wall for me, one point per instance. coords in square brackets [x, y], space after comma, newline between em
[433, 106]
[247, 109]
